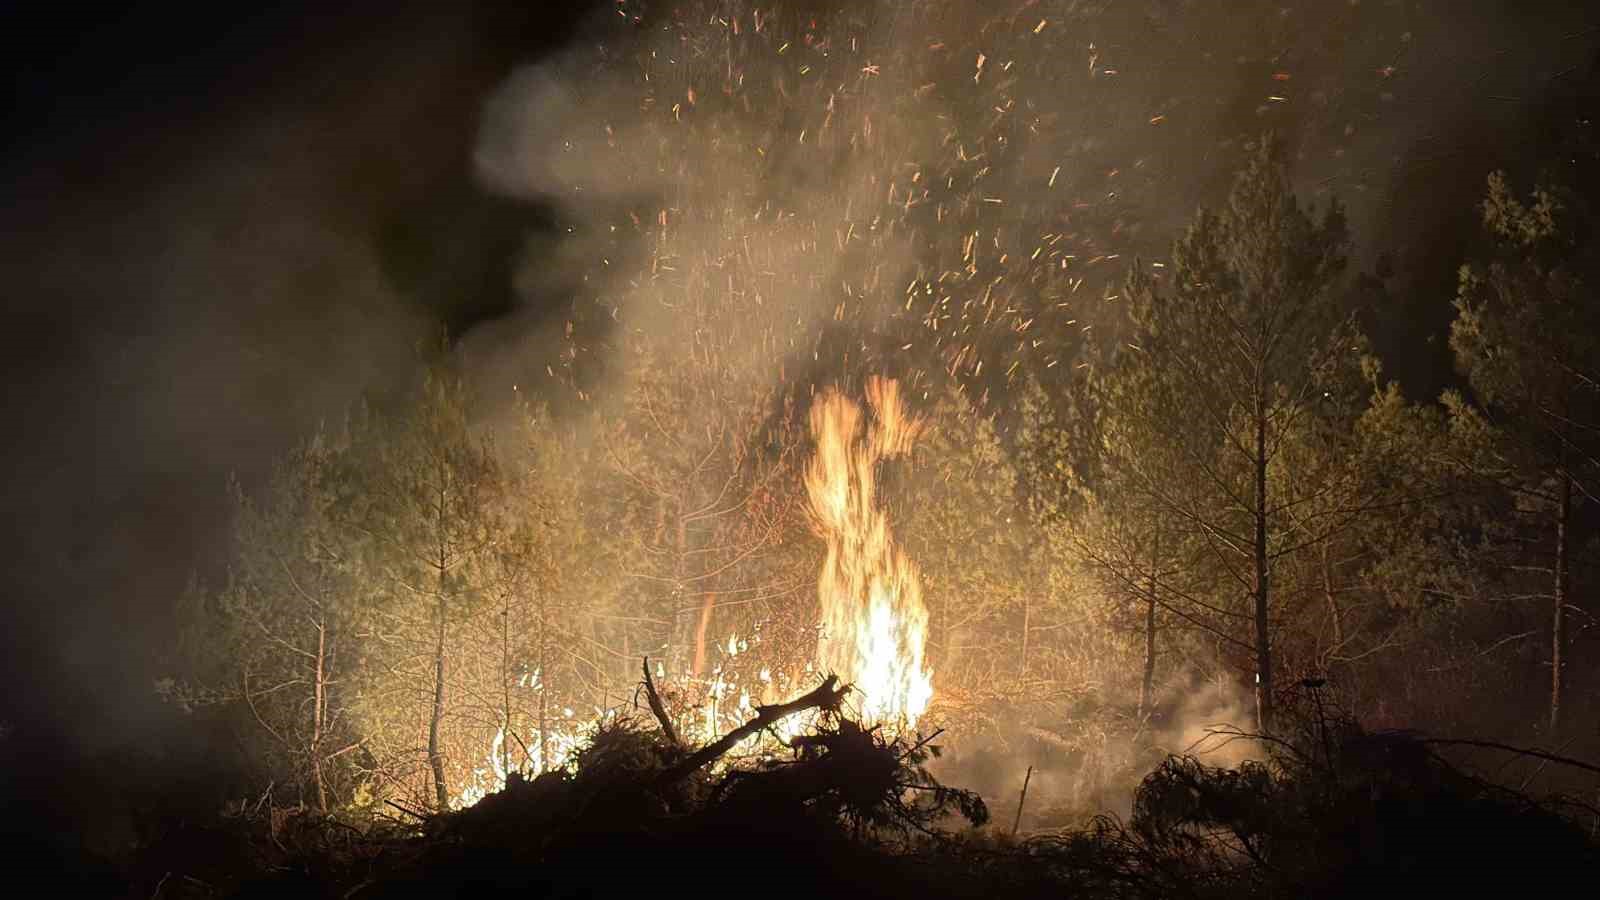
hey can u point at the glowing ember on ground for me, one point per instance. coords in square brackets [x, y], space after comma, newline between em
[874, 623]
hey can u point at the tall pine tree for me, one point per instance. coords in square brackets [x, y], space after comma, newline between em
[1527, 337]
[1225, 363]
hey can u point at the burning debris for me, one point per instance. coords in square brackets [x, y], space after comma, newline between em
[841, 790]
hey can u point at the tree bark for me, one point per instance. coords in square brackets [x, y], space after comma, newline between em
[1147, 684]
[678, 638]
[319, 707]
[1558, 622]
[544, 687]
[1334, 614]
[505, 679]
[435, 757]
[436, 715]
[1027, 616]
[656, 706]
[1263, 649]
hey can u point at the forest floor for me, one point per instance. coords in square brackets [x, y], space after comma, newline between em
[1333, 811]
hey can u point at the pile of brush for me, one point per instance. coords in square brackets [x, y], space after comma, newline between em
[837, 811]
[846, 810]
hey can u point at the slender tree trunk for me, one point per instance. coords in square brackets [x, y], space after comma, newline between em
[318, 716]
[436, 716]
[544, 688]
[435, 756]
[505, 681]
[677, 639]
[1027, 617]
[1221, 675]
[1558, 623]
[1263, 649]
[627, 651]
[1333, 603]
[1147, 684]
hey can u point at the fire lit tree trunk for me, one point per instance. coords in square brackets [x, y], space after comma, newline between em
[1558, 630]
[505, 672]
[544, 683]
[1259, 546]
[436, 715]
[319, 707]
[441, 573]
[1147, 683]
[1027, 615]
[1335, 616]
[680, 569]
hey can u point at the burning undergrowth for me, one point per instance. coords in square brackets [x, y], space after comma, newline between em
[841, 796]
[1328, 810]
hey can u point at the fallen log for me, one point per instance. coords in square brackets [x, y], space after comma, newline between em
[827, 695]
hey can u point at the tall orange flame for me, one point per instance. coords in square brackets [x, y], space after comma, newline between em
[874, 623]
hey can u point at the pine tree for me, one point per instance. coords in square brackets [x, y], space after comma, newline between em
[430, 507]
[1221, 368]
[1527, 337]
[281, 640]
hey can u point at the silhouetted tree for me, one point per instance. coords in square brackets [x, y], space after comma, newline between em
[1527, 337]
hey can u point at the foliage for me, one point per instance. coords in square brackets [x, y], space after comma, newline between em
[1526, 336]
[282, 641]
[1227, 370]
[956, 515]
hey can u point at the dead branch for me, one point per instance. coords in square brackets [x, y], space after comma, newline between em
[656, 705]
[1021, 800]
[420, 817]
[1520, 751]
[827, 695]
[920, 744]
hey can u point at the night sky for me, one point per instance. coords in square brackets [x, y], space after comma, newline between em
[223, 228]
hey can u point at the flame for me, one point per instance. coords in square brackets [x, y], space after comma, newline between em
[564, 742]
[874, 623]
